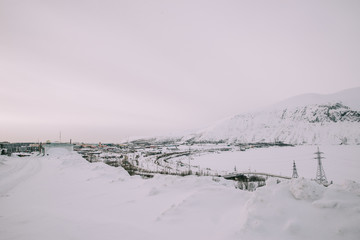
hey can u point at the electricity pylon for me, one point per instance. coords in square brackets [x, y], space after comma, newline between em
[320, 173]
[295, 174]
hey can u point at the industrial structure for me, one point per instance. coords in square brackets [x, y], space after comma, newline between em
[320, 173]
[295, 174]
[47, 146]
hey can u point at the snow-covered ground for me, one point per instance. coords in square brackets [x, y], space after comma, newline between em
[62, 196]
[341, 162]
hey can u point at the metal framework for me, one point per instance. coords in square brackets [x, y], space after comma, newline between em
[295, 174]
[320, 173]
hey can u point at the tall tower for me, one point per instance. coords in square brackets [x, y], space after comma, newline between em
[295, 174]
[320, 173]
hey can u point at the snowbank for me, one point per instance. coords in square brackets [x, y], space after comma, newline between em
[302, 209]
[62, 196]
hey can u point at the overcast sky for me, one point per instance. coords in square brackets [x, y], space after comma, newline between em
[108, 70]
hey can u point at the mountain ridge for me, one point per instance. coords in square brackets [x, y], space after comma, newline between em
[304, 119]
[349, 97]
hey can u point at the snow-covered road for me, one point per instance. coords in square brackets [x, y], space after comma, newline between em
[62, 196]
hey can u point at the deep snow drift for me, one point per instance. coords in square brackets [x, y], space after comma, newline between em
[62, 196]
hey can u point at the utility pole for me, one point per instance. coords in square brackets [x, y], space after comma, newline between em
[295, 174]
[189, 161]
[320, 173]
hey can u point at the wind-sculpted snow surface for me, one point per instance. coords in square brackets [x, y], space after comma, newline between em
[302, 209]
[310, 124]
[62, 196]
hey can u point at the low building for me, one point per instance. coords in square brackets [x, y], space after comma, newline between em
[46, 147]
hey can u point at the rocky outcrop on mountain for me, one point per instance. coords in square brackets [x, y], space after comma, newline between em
[322, 113]
[332, 123]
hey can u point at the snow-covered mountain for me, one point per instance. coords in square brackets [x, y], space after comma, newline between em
[304, 119]
[349, 97]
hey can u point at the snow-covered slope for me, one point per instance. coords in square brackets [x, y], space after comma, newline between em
[305, 119]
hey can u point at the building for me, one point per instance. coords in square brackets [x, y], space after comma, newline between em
[47, 146]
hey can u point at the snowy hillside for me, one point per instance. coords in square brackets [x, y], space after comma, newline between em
[306, 119]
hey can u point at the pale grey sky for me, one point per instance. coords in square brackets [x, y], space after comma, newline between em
[106, 70]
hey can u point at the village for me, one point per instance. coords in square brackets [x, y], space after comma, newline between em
[149, 157]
